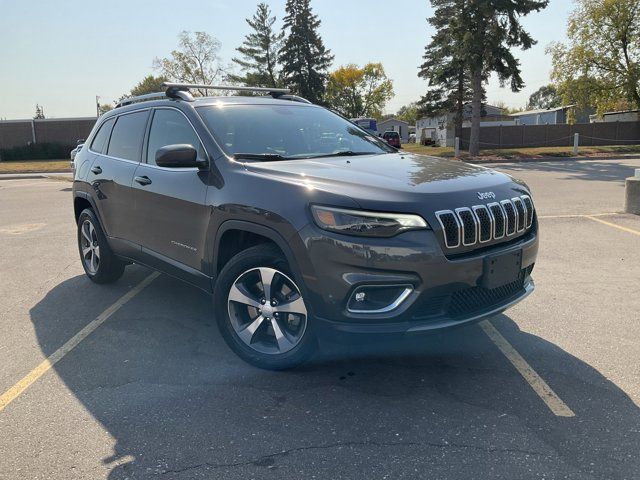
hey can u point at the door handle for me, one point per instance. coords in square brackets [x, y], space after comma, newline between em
[97, 170]
[143, 180]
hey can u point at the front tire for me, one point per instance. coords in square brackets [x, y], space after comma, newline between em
[99, 262]
[261, 312]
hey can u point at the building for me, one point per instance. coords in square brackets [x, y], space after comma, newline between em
[621, 116]
[441, 129]
[552, 116]
[395, 125]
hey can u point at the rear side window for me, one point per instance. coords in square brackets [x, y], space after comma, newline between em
[100, 140]
[126, 138]
[169, 127]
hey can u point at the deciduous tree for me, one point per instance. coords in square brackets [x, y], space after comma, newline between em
[305, 60]
[545, 97]
[196, 60]
[600, 65]
[359, 92]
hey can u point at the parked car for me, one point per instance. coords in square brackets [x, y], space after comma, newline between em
[392, 138]
[74, 152]
[299, 224]
[412, 138]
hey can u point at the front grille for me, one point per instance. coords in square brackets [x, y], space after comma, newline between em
[483, 223]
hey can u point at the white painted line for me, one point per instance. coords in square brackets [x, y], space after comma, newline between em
[548, 396]
[14, 392]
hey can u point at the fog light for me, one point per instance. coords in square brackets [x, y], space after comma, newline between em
[378, 298]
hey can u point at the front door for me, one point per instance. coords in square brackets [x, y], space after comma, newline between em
[170, 202]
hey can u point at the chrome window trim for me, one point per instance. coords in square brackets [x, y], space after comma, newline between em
[392, 306]
[444, 230]
[506, 217]
[516, 200]
[475, 208]
[475, 225]
[504, 220]
[533, 209]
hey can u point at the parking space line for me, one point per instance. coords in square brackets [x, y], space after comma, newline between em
[619, 227]
[582, 215]
[548, 396]
[15, 391]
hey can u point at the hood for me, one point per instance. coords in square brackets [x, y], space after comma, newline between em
[397, 182]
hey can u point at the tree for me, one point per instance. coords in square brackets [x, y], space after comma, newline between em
[260, 50]
[493, 31]
[195, 61]
[408, 113]
[39, 113]
[600, 65]
[104, 108]
[444, 64]
[305, 60]
[149, 84]
[359, 92]
[543, 98]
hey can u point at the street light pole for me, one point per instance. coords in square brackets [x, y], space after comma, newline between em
[97, 106]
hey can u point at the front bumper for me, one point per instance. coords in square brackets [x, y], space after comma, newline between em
[447, 291]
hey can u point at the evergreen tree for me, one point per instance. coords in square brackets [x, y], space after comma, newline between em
[305, 60]
[259, 51]
[494, 28]
[444, 63]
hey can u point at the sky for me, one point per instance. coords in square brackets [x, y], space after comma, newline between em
[61, 54]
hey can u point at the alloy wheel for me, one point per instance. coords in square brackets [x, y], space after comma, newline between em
[267, 310]
[89, 247]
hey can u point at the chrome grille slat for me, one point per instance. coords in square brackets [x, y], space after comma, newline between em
[479, 224]
[510, 216]
[469, 225]
[499, 220]
[521, 214]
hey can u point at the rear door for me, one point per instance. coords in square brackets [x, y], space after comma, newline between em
[170, 202]
[112, 172]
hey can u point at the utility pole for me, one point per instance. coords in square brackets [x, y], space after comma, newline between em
[97, 106]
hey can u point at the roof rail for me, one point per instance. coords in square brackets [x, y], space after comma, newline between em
[274, 92]
[180, 91]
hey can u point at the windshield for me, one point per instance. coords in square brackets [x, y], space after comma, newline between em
[287, 131]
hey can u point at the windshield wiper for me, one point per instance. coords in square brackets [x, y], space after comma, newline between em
[345, 153]
[266, 157]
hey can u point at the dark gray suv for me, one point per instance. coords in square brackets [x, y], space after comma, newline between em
[299, 222]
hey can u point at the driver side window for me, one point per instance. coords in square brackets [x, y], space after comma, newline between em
[170, 127]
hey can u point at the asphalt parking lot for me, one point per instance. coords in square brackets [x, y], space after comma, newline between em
[152, 391]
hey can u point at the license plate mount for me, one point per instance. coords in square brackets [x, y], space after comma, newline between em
[499, 270]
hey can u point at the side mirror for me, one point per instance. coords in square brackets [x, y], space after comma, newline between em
[178, 156]
[80, 142]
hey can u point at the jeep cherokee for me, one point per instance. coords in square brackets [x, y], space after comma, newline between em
[298, 222]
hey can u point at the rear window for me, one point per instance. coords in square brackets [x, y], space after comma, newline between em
[391, 135]
[99, 141]
[126, 138]
[292, 131]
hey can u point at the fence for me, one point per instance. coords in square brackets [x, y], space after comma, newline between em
[591, 134]
[62, 131]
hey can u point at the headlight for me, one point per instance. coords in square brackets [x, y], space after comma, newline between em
[365, 224]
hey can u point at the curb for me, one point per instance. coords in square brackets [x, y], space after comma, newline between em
[22, 176]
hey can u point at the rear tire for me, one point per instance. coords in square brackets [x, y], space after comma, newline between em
[261, 312]
[99, 262]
